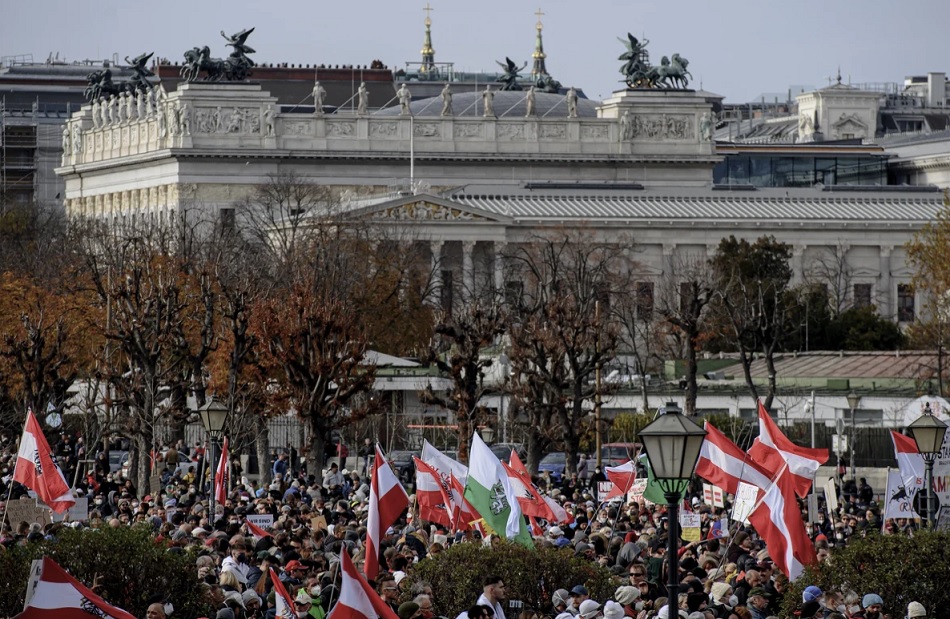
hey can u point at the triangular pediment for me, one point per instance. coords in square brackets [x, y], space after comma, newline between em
[427, 208]
[850, 121]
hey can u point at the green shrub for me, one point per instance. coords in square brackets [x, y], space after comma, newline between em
[530, 575]
[129, 565]
[898, 568]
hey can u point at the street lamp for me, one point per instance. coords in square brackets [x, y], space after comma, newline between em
[928, 433]
[672, 442]
[853, 401]
[213, 415]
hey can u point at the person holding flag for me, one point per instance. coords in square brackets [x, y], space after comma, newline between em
[36, 469]
[387, 499]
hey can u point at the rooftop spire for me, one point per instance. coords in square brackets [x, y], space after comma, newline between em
[538, 69]
[428, 54]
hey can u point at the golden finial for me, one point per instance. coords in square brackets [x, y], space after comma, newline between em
[428, 9]
[539, 13]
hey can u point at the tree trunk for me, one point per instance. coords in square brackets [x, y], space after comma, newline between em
[535, 445]
[691, 369]
[262, 446]
[143, 466]
[464, 435]
[318, 446]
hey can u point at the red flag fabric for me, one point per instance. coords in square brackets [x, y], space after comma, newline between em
[255, 530]
[772, 450]
[909, 460]
[283, 602]
[60, 596]
[357, 598]
[36, 470]
[778, 520]
[722, 463]
[622, 476]
[530, 500]
[435, 504]
[515, 462]
[222, 477]
[387, 499]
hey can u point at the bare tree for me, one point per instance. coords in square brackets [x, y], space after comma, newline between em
[830, 269]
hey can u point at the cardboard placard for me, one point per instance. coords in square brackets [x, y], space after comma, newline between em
[635, 495]
[690, 526]
[169, 512]
[26, 510]
[942, 522]
[603, 489]
[155, 484]
[719, 497]
[708, 494]
[318, 522]
[260, 520]
[746, 497]
[831, 496]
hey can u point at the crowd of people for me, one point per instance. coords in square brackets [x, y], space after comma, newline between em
[319, 514]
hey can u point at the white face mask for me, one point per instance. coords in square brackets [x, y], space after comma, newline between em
[733, 601]
[638, 606]
[169, 608]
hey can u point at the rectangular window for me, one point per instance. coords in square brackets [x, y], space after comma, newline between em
[862, 295]
[514, 293]
[226, 218]
[645, 301]
[905, 303]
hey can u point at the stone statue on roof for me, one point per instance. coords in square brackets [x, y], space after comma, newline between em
[362, 100]
[530, 103]
[571, 98]
[510, 76]
[488, 99]
[319, 96]
[405, 98]
[447, 100]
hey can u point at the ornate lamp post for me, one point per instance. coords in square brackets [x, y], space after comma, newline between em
[928, 433]
[853, 401]
[213, 415]
[672, 442]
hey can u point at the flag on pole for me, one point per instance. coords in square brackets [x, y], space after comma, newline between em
[466, 517]
[490, 493]
[529, 498]
[283, 602]
[622, 476]
[357, 598]
[222, 477]
[772, 449]
[443, 464]
[256, 531]
[58, 595]
[724, 464]
[909, 460]
[387, 499]
[432, 495]
[36, 470]
[778, 520]
[899, 496]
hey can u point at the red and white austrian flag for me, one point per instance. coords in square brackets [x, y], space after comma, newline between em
[36, 470]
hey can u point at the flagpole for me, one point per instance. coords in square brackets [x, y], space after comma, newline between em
[6, 505]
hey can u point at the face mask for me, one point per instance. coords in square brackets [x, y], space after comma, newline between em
[839, 535]
[98, 501]
[638, 606]
[169, 608]
[733, 601]
[602, 519]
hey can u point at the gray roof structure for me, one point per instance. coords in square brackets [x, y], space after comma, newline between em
[507, 104]
[811, 205]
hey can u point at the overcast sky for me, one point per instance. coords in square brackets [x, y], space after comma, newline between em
[737, 48]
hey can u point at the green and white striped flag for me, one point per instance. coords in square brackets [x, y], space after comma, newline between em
[489, 492]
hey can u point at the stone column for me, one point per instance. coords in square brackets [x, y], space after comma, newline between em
[669, 250]
[885, 301]
[798, 272]
[499, 247]
[435, 293]
[468, 269]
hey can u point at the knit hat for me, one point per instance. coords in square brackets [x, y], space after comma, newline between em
[561, 596]
[407, 610]
[871, 599]
[757, 591]
[626, 594]
[811, 593]
[809, 609]
[588, 609]
[718, 591]
[739, 537]
[613, 610]
[251, 594]
[916, 609]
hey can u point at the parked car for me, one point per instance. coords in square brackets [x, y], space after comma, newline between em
[502, 451]
[554, 463]
[615, 454]
[118, 460]
[401, 461]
